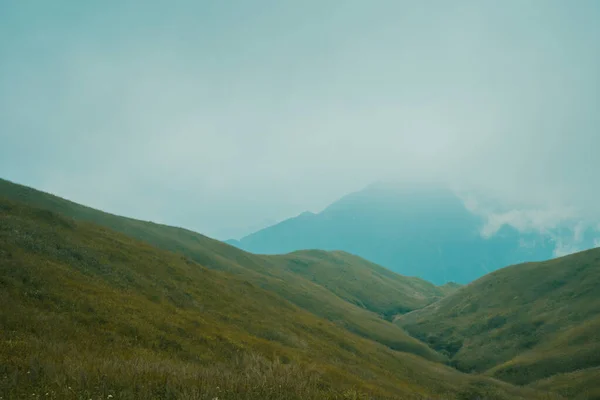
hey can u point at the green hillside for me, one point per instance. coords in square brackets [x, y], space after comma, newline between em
[579, 385]
[520, 324]
[271, 273]
[91, 313]
[361, 282]
[449, 288]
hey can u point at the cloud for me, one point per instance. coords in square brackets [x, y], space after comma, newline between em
[569, 231]
[527, 221]
[218, 117]
[563, 249]
[571, 239]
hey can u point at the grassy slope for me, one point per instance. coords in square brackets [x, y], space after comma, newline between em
[449, 288]
[522, 323]
[361, 282]
[579, 385]
[271, 273]
[88, 312]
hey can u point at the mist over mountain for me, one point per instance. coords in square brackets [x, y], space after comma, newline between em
[417, 230]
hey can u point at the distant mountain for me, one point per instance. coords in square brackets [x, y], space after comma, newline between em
[533, 322]
[414, 230]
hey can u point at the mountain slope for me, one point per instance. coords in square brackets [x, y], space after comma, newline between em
[419, 231]
[522, 323]
[91, 313]
[271, 273]
[578, 385]
[361, 282]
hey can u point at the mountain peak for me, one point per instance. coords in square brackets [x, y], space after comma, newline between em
[415, 229]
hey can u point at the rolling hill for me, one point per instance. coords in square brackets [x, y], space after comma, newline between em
[363, 283]
[89, 312]
[271, 273]
[578, 385]
[522, 323]
[414, 230]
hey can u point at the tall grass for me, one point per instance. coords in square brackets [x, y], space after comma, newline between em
[89, 376]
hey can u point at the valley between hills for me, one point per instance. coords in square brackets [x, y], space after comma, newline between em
[98, 306]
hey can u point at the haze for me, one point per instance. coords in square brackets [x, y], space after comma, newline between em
[223, 117]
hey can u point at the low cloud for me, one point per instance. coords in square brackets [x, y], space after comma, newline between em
[542, 221]
[217, 122]
[569, 231]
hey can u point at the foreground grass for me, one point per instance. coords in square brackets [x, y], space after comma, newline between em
[142, 376]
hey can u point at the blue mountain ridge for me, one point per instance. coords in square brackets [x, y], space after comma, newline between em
[422, 231]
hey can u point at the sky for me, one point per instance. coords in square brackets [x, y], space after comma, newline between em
[226, 116]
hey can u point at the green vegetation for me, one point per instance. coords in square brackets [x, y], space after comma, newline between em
[521, 324]
[361, 282]
[272, 273]
[91, 313]
[579, 385]
[449, 288]
[96, 304]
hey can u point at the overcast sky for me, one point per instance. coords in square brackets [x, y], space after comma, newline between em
[222, 116]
